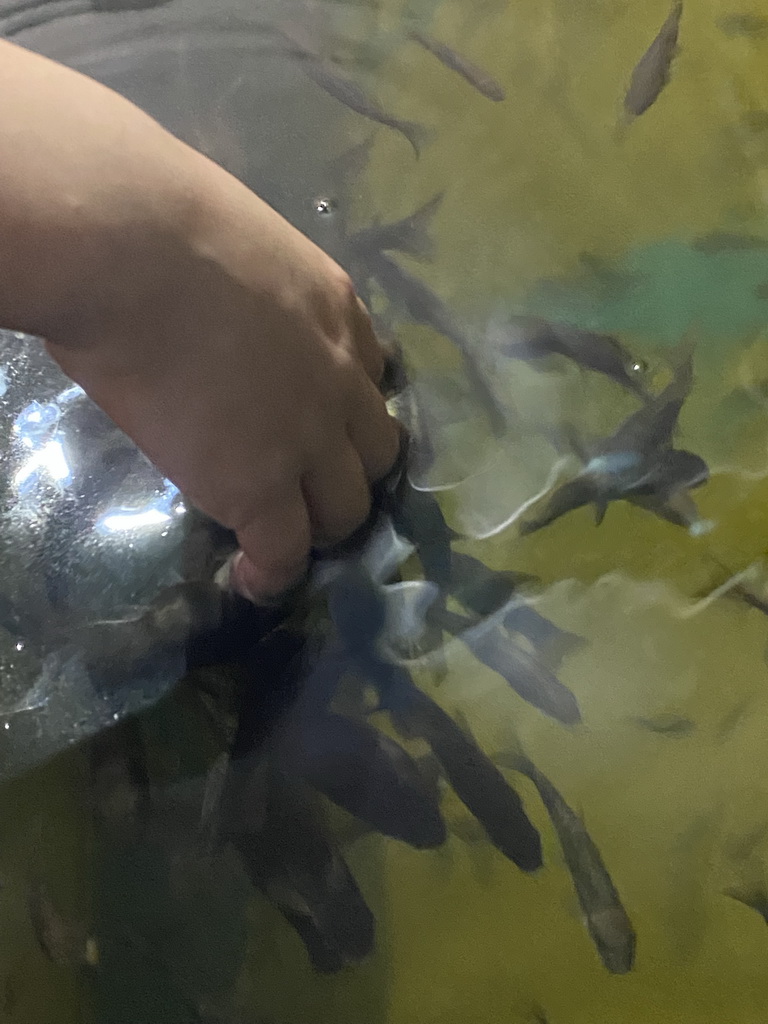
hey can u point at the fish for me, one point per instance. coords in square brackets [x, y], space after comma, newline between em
[755, 897]
[480, 589]
[607, 920]
[747, 24]
[717, 242]
[653, 425]
[637, 463]
[350, 93]
[297, 866]
[523, 672]
[531, 339]
[408, 623]
[477, 77]
[65, 942]
[652, 72]
[472, 775]
[551, 643]
[367, 774]
[385, 551]
[120, 776]
[205, 622]
[418, 518]
[415, 299]
[409, 235]
[667, 725]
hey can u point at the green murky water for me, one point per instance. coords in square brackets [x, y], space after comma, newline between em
[531, 186]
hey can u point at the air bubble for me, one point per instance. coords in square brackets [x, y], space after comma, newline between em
[324, 207]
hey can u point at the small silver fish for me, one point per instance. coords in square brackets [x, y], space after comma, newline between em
[477, 77]
[409, 235]
[652, 72]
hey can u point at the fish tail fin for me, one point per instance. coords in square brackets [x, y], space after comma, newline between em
[417, 134]
[418, 241]
[601, 507]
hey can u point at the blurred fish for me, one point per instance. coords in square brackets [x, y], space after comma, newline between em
[754, 896]
[293, 861]
[409, 235]
[531, 339]
[367, 774]
[349, 92]
[120, 777]
[418, 518]
[385, 551]
[473, 776]
[65, 942]
[652, 72]
[416, 299]
[667, 725]
[636, 463]
[477, 77]
[723, 241]
[747, 24]
[551, 643]
[480, 589]
[527, 676]
[407, 625]
[653, 425]
[606, 918]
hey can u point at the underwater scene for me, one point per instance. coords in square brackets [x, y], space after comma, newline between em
[502, 759]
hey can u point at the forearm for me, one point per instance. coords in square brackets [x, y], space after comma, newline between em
[87, 181]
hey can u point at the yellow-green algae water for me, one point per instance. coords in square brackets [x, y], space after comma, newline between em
[531, 185]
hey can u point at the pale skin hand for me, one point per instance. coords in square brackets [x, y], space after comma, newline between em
[227, 345]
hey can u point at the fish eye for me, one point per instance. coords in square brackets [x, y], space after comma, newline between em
[324, 206]
[638, 366]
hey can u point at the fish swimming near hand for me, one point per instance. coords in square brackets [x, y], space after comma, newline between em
[477, 77]
[482, 590]
[349, 92]
[366, 773]
[524, 673]
[637, 463]
[652, 72]
[472, 775]
[414, 298]
[607, 920]
[410, 235]
[294, 862]
[532, 339]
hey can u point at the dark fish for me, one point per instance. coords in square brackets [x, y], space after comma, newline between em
[120, 777]
[653, 425]
[480, 589]
[637, 462]
[409, 235]
[350, 93]
[755, 897]
[656, 483]
[723, 242]
[419, 518]
[532, 338]
[754, 25]
[749, 597]
[473, 776]
[293, 861]
[423, 306]
[607, 920]
[367, 774]
[527, 676]
[63, 941]
[476, 76]
[667, 725]
[652, 72]
[199, 619]
[551, 643]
